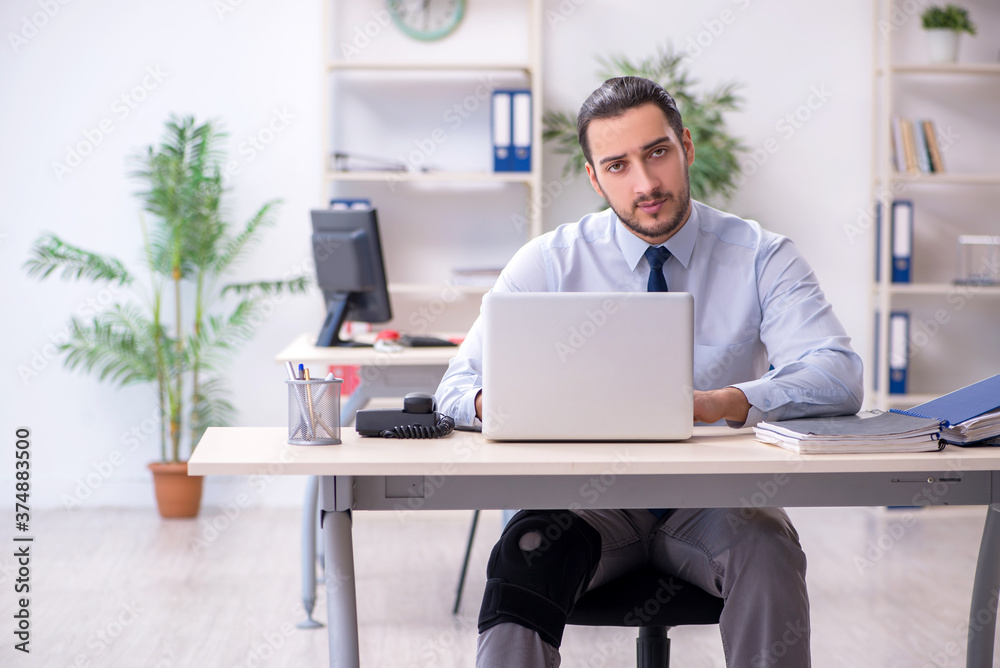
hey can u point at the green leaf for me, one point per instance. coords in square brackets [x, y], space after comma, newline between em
[116, 345]
[51, 253]
[236, 247]
[259, 289]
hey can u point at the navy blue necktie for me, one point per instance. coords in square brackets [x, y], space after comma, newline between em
[656, 256]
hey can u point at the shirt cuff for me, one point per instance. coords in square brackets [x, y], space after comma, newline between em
[764, 396]
[466, 409]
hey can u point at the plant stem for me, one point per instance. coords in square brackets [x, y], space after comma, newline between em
[177, 407]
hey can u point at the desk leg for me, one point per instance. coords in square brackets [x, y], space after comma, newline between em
[341, 598]
[355, 402]
[982, 614]
[309, 515]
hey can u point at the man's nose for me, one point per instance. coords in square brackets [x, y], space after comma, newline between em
[646, 181]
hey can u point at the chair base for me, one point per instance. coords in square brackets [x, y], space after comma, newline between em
[652, 647]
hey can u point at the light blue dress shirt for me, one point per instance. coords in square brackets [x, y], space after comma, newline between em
[757, 304]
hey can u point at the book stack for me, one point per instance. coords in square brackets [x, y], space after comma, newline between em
[915, 147]
[866, 432]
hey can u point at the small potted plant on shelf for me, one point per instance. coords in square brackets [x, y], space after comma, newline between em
[944, 26]
[716, 169]
[178, 327]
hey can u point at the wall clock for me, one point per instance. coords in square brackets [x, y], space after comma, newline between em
[427, 20]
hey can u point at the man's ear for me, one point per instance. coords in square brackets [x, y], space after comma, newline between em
[688, 147]
[593, 179]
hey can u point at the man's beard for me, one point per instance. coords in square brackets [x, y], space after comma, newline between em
[657, 227]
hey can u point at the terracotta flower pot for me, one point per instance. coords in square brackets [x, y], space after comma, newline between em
[177, 493]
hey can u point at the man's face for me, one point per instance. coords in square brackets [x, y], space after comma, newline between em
[640, 167]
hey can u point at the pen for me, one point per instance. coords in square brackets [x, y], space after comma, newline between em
[309, 400]
[302, 371]
[303, 414]
[322, 390]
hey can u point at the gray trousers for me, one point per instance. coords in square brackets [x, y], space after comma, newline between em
[749, 557]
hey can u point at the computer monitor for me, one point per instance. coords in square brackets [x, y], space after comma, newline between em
[349, 270]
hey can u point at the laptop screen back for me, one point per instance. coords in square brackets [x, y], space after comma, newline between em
[579, 366]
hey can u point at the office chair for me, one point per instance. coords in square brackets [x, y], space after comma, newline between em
[654, 603]
[646, 599]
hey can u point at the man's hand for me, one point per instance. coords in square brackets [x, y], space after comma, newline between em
[728, 403]
[479, 405]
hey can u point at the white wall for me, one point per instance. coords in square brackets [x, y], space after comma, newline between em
[261, 58]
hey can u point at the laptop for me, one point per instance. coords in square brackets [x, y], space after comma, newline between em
[588, 366]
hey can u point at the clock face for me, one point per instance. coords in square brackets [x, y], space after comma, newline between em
[427, 19]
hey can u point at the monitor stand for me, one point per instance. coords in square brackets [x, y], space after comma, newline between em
[329, 333]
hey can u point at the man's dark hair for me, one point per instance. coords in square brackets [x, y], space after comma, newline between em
[616, 96]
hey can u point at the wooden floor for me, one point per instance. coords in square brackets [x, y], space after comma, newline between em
[889, 588]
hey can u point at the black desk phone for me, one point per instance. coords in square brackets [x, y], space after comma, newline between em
[418, 419]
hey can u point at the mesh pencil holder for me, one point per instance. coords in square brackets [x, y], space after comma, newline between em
[314, 412]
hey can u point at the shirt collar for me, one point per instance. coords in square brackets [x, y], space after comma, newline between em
[681, 245]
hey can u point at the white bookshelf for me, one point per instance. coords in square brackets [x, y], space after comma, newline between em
[906, 87]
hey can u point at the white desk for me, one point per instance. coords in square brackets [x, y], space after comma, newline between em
[716, 468]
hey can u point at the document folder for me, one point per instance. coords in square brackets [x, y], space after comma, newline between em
[503, 158]
[899, 340]
[902, 240]
[521, 131]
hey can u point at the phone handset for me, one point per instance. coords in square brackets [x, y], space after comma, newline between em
[418, 419]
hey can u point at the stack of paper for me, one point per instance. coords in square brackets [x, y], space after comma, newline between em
[980, 428]
[870, 431]
[971, 415]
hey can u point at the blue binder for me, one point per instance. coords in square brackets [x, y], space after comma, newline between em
[961, 405]
[521, 130]
[899, 341]
[902, 239]
[502, 131]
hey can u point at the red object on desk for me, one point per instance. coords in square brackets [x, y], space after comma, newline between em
[350, 376]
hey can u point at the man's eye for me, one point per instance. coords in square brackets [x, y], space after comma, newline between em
[658, 152]
[615, 167]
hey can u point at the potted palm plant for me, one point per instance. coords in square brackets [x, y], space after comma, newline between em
[181, 323]
[715, 171]
[944, 27]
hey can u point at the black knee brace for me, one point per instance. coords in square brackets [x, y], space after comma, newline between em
[538, 569]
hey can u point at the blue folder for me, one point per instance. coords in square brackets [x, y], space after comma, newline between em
[961, 405]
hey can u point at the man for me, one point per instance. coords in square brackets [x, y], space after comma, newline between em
[757, 304]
